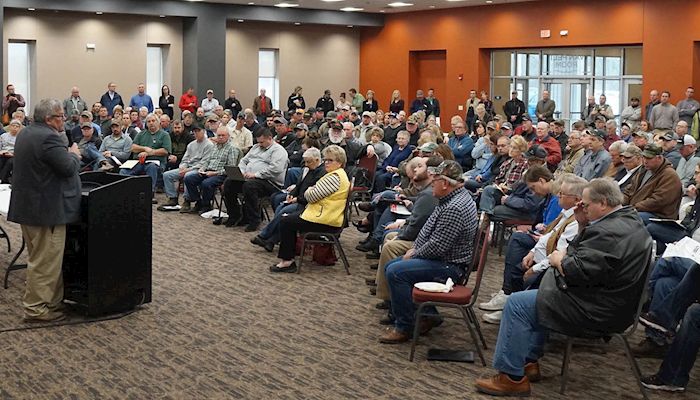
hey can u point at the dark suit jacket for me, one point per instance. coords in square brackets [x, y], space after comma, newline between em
[45, 182]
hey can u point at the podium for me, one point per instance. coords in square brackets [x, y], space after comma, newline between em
[107, 259]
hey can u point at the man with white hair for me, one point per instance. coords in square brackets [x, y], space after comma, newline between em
[687, 162]
[548, 143]
[353, 151]
[74, 102]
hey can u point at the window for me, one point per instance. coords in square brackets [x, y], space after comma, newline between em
[267, 74]
[155, 71]
[19, 70]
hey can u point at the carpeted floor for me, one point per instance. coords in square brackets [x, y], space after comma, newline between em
[221, 326]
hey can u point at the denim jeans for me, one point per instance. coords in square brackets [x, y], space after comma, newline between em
[292, 176]
[402, 274]
[645, 216]
[93, 157]
[277, 198]
[680, 358]
[665, 277]
[150, 169]
[171, 178]
[382, 178]
[518, 246]
[490, 198]
[669, 310]
[385, 195]
[520, 336]
[382, 217]
[200, 188]
[271, 232]
[664, 233]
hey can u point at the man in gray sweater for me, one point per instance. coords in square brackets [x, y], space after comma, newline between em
[664, 116]
[688, 106]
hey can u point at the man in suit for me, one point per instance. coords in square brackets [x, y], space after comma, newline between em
[45, 197]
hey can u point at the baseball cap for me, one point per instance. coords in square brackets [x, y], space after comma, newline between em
[86, 114]
[428, 147]
[307, 115]
[335, 125]
[345, 107]
[687, 140]
[196, 127]
[668, 136]
[526, 117]
[449, 169]
[86, 125]
[507, 125]
[301, 127]
[536, 152]
[625, 124]
[280, 120]
[213, 117]
[599, 133]
[652, 150]
[331, 115]
[393, 115]
[491, 125]
[210, 91]
[632, 151]
[641, 134]
[241, 114]
[412, 120]
[366, 114]
[115, 122]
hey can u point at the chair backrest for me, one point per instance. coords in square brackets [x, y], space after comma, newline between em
[348, 201]
[645, 287]
[478, 237]
[483, 252]
[370, 164]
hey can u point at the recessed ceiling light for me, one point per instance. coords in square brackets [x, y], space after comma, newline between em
[351, 9]
[382, 11]
[31, 9]
[240, 20]
[332, 1]
[286, 5]
[297, 23]
[162, 16]
[489, 1]
[349, 26]
[251, 3]
[431, 6]
[99, 13]
[399, 4]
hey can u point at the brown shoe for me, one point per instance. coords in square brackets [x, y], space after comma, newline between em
[392, 336]
[532, 371]
[51, 316]
[426, 324]
[502, 385]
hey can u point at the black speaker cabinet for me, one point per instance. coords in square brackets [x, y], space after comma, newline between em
[107, 260]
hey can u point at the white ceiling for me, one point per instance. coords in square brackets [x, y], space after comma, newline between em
[371, 6]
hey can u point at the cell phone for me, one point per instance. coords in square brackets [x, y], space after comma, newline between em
[533, 232]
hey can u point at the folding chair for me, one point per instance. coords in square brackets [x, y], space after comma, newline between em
[500, 228]
[365, 192]
[622, 336]
[329, 237]
[461, 297]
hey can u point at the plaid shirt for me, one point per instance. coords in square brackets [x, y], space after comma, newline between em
[449, 233]
[511, 171]
[222, 155]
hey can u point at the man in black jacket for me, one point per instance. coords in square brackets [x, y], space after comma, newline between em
[591, 289]
[514, 109]
[232, 103]
[45, 197]
[325, 103]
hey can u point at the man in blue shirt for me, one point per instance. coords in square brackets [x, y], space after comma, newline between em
[141, 99]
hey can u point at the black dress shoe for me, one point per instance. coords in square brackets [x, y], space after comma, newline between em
[362, 228]
[252, 227]
[268, 246]
[365, 240]
[291, 268]
[371, 282]
[383, 305]
[373, 290]
[372, 255]
[371, 245]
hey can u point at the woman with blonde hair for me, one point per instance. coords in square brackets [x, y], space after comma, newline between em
[396, 105]
[370, 103]
[481, 114]
[296, 100]
[325, 211]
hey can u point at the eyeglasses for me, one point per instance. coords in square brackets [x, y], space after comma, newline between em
[328, 160]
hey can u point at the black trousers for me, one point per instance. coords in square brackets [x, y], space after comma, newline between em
[6, 164]
[252, 190]
[290, 226]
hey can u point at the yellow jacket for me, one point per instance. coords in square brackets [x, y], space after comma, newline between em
[330, 208]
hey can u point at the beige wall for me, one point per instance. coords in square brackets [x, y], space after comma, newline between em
[313, 57]
[62, 59]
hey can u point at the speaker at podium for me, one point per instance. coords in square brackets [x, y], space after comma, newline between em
[107, 259]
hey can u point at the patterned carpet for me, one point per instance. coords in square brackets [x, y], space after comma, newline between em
[221, 326]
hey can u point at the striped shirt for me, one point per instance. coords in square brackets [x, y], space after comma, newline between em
[325, 187]
[449, 233]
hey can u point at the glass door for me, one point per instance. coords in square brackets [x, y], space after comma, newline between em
[570, 97]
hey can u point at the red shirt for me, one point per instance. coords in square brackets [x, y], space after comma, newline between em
[185, 102]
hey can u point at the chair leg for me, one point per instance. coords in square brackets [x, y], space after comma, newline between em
[414, 340]
[477, 325]
[634, 366]
[346, 264]
[466, 317]
[501, 241]
[4, 234]
[301, 255]
[565, 365]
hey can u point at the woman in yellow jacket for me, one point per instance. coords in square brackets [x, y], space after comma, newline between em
[324, 211]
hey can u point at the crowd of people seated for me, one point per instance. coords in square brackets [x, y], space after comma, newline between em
[585, 203]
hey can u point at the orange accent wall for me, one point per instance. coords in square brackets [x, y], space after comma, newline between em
[668, 30]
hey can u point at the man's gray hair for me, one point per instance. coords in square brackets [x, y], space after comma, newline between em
[152, 115]
[576, 184]
[619, 146]
[611, 122]
[46, 108]
[605, 190]
[312, 152]
[249, 114]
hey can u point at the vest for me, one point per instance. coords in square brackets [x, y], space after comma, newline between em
[331, 209]
[556, 234]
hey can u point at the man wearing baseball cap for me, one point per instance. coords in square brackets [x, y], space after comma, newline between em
[668, 143]
[443, 249]
[526, 129]
[657, 192]
[596, 161]
[294, 149]
[687, 163]
[390, 131]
